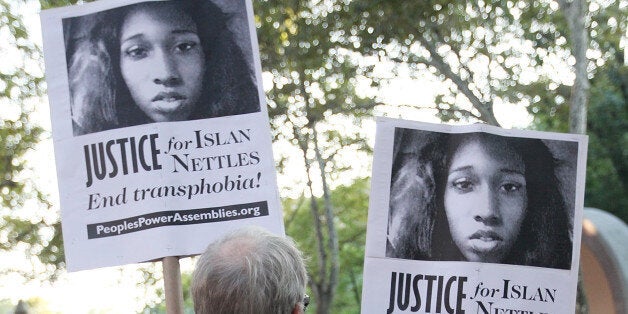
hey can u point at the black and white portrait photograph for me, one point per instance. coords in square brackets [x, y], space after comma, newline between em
[159, 126]
[481, 197]
[159, 61]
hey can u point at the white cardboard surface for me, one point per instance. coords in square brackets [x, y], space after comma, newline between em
[173, 211]
[405, 285]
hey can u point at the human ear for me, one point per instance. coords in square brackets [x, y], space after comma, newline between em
[298, 309]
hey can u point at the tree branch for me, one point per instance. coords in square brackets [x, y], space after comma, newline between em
[332, 237]
[485, 109]
[320, 240]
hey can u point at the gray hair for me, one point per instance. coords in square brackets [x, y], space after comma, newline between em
[249, 271]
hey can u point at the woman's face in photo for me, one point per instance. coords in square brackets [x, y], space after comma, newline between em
[162, 61]
[485, 199]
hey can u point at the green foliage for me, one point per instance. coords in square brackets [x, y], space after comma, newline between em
[17, 134]
[313, 78]
[21, 85]
[351, 204]
[6, 306]
[606, 186]
[48, 4]
[476, 49]
[549, 107]
[484, 52]
[607, 167]
[351, 207]
[607, 127]
[315, 52]
[160, 307]
[33, 305]
[314, 81]
[608, 24]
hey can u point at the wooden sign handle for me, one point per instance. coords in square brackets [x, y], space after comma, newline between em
[172, 285]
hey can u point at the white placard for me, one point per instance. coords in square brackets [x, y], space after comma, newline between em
[160, 129]
[473, 219]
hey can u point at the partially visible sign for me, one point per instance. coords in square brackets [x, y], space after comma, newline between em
[161, 135]
[473, 219]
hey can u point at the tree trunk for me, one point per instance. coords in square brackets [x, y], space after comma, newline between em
[574, 12]
[315, 285]
[324, 284]
[332, 237]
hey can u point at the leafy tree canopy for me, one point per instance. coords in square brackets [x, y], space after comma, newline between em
[22, 226]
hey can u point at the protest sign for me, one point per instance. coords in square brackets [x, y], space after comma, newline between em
[161, 134]
[473, 219]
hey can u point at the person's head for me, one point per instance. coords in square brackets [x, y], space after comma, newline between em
[161, 60]
[156, 61]
[250, 271]
[484, 198]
